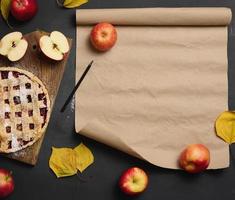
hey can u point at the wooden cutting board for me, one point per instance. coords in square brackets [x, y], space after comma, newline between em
[50, 73]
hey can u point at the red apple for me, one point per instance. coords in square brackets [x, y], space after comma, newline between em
[133, 181]
[6, 183]
[195, 158]
[103, 36]
[24, 10]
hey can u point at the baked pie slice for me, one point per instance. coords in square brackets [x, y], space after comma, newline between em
[24, 109]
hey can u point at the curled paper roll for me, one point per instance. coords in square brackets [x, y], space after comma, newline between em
[157, 16]
[161, 86]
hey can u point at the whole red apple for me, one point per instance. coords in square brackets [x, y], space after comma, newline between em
[24, 10]
[195, 158]
[6, 183]
[103, 36]
[133, 181]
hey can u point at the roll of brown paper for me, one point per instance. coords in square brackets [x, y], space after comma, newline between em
[161, 86]
[157, 16]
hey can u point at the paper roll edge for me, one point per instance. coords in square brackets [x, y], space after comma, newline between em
[201, 16]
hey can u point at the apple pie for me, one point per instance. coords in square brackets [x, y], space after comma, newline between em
[24, 109]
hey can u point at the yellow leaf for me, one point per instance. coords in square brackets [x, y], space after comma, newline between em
[63, 162]
[225, 126]
[74, 3]
[5, 10]
[67, 2]
[84, 157]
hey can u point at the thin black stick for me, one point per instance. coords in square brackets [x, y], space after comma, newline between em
[76, 87]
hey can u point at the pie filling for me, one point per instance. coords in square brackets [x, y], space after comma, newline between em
[24, 106]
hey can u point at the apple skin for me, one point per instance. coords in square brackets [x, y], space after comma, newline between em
[195, 158]
[103, 36]
[24, 10]
[50, 60]
[133, 181]
[6, 183]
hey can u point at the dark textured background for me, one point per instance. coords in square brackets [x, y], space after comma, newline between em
[100, 180]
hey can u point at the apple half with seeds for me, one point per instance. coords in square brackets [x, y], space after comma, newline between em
[13, 46]
[54, 46]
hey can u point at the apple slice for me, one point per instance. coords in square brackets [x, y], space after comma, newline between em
[55, 46]
[13, 46]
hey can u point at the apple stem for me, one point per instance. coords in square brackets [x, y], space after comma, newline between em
[9, 175]
[59, 3]
[82, 179]
[9, 24]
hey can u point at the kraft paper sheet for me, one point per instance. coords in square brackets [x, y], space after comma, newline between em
[162, 85]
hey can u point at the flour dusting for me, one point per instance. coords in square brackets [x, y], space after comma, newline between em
[72, 105]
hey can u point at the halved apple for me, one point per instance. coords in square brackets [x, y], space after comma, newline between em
[13, 46]
[55, 46]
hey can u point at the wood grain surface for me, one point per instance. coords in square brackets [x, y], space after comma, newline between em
[50, 73]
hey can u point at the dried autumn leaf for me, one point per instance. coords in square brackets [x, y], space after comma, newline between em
[73, 3]
[63, 162]
[5, 9]
[67, 2]
[225, 126]
[84, 157]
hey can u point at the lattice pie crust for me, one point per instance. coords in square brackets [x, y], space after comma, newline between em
[24, 109]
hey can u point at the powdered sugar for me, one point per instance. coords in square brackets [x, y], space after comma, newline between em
[7, 108]
[23, 94]
[14, 143]
[72, 105]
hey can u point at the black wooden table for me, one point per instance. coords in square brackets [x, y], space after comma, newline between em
[99, 182]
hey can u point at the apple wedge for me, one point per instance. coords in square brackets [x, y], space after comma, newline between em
[55, 46]
[13, 46]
